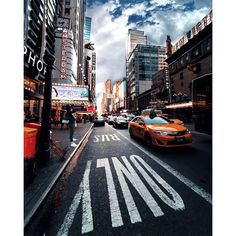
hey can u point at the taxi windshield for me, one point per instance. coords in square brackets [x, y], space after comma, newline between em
[156, 120]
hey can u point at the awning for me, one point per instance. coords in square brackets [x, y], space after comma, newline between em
[180, 105]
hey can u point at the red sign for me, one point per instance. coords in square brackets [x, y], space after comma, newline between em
[90, 108]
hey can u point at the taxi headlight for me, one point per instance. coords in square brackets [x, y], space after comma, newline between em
[162, 133]
[188, 131]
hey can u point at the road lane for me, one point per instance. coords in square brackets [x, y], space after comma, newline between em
[131, 194]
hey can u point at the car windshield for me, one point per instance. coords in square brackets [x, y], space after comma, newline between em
[156, 120]
[130, 115]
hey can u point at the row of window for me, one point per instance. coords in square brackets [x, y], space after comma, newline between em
[200, 50]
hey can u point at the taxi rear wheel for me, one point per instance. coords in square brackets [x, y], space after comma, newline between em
[148, 139]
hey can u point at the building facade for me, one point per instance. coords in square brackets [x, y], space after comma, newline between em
[39, 18]
[75, 11]
[190, 60]
[87, 29]
[135, 37]
[143, 63]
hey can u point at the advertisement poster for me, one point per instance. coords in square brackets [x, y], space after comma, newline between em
[69, 93]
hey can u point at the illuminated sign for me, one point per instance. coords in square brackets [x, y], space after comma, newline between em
[70, 93]
[64, 53]
[194, 31]
[34, 61]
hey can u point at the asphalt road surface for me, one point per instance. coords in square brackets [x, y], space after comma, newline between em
[121, 187]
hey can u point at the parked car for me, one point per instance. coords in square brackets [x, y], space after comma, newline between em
[99, 121]
[160, 132]
[120, 122]
[110, 119]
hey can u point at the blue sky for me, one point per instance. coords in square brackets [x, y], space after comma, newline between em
[111, 20]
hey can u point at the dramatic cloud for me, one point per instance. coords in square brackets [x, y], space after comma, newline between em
[111, 20]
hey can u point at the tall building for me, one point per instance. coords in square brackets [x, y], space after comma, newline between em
[39, 18]
[108, 87]
[87, 29]
[143, 62]
[135, 37]
[75, 11]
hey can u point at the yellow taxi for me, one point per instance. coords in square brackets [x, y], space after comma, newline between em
[160, 132]
[173, 120]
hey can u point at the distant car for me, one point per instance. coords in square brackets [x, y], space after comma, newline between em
[110, 119]
[160, 132]
[128, 116]
[120, 122]
[99, 121]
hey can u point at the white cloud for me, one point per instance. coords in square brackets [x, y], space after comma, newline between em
[109, 35]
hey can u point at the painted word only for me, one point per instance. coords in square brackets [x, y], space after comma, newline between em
[124, 173]
[105, 138]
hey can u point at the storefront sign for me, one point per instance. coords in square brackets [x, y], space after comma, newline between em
[194, 31]
[69, 93]
[34, 61]
[64, 53]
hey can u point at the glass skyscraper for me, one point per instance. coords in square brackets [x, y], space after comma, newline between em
[87, 29]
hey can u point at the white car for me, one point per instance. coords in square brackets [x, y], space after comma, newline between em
[110, 119]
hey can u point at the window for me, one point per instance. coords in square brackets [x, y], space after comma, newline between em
[67, 11]
[182, 83]
[196, 52]
[181, 76]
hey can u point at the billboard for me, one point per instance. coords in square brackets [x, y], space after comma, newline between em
[70, 93]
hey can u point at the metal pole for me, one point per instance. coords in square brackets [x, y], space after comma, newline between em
[43, 154]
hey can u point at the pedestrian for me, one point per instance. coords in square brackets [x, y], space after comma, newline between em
[71, 125]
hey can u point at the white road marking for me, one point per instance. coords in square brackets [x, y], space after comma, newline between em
[116, 217]
[177, 202]
[134, 179]
[200, 191]
[105, 137]
[96, 138]
[114, 137]
[87, 217]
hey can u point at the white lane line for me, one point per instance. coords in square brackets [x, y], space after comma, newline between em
[137, 183]
[200, 191]
[177, 202]
[116, 218]
[87, 217]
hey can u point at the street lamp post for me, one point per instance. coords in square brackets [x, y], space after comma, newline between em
[43, 154]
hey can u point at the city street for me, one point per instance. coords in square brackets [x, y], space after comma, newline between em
[119, 186]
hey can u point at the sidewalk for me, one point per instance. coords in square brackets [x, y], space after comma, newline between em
[46, 176]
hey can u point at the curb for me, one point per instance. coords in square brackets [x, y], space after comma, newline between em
[30, 215]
